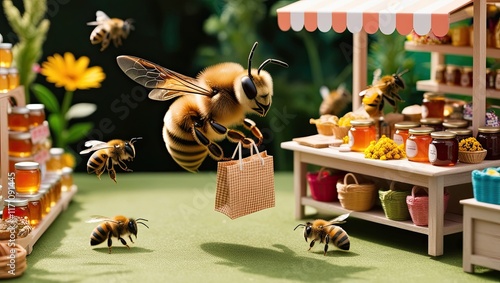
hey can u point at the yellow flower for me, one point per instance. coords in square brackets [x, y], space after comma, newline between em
[70, 73]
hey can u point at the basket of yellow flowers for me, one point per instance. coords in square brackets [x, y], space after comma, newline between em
[471, 151]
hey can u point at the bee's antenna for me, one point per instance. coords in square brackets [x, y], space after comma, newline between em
[273, 61]
[132, 140]
[299, 226]
[250, 56]
[137, 221]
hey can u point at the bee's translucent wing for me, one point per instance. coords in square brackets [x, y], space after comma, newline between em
[94, 145]
[100, 17]
[340, 219]
[166, 83]
[99, 218]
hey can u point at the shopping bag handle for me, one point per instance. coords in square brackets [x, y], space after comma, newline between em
[240, 157]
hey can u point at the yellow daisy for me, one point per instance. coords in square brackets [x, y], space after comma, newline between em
[70, 73]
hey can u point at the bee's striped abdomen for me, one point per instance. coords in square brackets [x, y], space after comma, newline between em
[99, 235]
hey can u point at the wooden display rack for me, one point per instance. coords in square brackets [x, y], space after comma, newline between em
[61, 205]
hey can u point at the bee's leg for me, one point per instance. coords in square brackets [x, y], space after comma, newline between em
[214, 150]
[110, 242]
[311, 245]
[252, 127]
[99, 172]
[327, 240]
[232, 135]
[130, 237]
[123, 166]
[111, 170]
[123, 242]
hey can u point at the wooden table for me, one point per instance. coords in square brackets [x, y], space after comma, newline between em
[481, 235]
[423, 174]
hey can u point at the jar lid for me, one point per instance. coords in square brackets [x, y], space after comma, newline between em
[35, 106]
[361, 122]
[460, 132]
[4, 71]
[443, 135]
[29, 197]
[431, 121]
[455, 124]
[15, 202]
[19, 135]
[44, 187]
[406, 125]
[421, 130]
[13, 70]
[434, 95]
[66, 170]
[19, 110]
[487, 129]
[56, 151]
[27, 165]
[5, 45]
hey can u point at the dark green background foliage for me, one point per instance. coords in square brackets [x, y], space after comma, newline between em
[186, 36]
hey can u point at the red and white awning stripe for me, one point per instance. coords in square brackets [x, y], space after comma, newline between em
[422, 16]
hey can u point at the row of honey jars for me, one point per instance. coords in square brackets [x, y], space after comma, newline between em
[24, 118]
[9, 79]
[440, 148]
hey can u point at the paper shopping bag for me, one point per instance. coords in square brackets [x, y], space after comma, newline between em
[246, 185]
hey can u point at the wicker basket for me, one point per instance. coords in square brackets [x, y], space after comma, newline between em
[394, 203]
[485, 186]
[418, 205]
[472, 156]
[340, 131]
[322, 185]
[356, 196]
[11, 265]
[325, 129]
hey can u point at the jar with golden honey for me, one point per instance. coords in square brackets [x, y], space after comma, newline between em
[417, 144]
[361, 133]
[489, 138]
[66, 179]
[45, 199]
[4, 80]
[28, 177]
[15, 207]
[13, 78]
[443, 150]
[34, 207]
[5, 55]
[18, 119]
[402, 131]
[435, 123]
[36, 114]
[54, 164]
[54, 180]
[20, 144]
[433, 105]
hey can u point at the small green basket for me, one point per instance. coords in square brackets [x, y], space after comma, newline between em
[394, 203]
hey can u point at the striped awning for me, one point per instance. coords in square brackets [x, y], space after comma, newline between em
[405, 16]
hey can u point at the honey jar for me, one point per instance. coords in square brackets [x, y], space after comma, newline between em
[440, 77]
[13, 78]
[453, 75]
[361, 133]
[55, 191]
[402, 131]
[45, 198]
[66, 179]
[433, 105]
[5, 55]
[20, 144]
[443, 150]
[466, 77]
[435, 123]
[4, 80]
[54, 164]
[36, 114]
[18, 119]
[489, 138]
[34, 207]
[417, 144]
[15, 207]
[28, 177]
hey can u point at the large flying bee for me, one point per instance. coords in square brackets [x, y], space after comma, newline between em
[109, 154]
[335, 101]
[118, 227]
[109, 29]
[208, 105]
[327, 232]
[386, 88]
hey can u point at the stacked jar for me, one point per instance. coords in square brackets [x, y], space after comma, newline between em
[9, 75]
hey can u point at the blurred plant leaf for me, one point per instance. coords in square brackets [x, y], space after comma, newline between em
[76, 132]
[56, 122]
[46, 97]
[80, 110]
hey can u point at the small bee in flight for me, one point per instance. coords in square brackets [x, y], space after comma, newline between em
[109, 154]
[109, 29]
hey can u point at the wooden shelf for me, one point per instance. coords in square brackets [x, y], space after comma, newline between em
[452, 222]
[449, 49]
[430, 85]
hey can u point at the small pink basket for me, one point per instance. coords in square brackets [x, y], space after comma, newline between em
[418, 205]
[323, 185]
